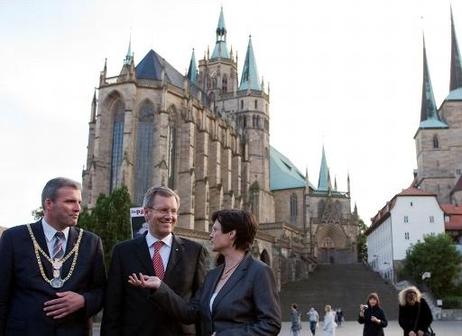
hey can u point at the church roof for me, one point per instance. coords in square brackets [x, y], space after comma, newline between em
[151, 66]
[456, 66]
[324, 178]
[221, 49]
[249, 78]
[192, 70]
[283, 173]
[429, 117]
[455, 94]
[454, 214]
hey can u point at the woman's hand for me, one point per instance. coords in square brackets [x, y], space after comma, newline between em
[375, 319]
[144, 281]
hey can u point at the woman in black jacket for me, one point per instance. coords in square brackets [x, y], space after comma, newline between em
[372, 316]
[415, 316]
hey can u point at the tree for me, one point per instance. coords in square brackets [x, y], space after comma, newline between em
[361, 240]
[109, 219]
[438, 256]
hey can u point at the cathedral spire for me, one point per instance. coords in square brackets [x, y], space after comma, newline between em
[249, 78]
[192, 70]
[429, 117]
[324, 178]
[456, 67]
[221, 49]
[129, 57]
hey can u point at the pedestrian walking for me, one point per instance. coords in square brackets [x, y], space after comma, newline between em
[296, 320]
[313, 319]
[339, 316]
[372, 316]
[329, 321]
[414, 315]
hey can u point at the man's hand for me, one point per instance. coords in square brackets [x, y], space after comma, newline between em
[66, 303]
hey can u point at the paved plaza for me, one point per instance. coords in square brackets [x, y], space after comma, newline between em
[441, 328]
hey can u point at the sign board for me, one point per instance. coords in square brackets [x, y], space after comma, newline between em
[439, 303]
[139, 225]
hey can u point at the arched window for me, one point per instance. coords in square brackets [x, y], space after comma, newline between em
[256, 104]
[293, 209]
[144, 146]
[436, 143]
[242, 104]
[172, 150]
[224, 83]
[118, 112]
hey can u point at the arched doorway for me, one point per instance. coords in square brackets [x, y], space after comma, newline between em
[327, 251]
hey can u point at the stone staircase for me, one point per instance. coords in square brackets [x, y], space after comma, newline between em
[344, 286]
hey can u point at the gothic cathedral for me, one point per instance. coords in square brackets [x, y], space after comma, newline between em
[206, 135]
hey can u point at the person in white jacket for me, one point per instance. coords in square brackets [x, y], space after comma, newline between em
[329, 322]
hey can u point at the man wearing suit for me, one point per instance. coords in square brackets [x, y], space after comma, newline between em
[181, 263]
[52, 273]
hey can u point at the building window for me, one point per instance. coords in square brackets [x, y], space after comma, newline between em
[242, 104]
[256, 104]
[406, 219]
[411, 204]
[224, 84]
[432, 219]
[459, 171]
[117, 142]
[435, 141]
[171, 162]
[293, 209]
[144, 146]
[406, 235]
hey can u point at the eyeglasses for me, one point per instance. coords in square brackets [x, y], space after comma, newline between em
[173, 212]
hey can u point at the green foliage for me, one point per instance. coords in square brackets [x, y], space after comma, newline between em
[452, 302]
[109, 219]
[437, 255]
[361, 240]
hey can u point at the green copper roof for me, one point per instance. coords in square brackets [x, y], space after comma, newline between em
[455, 94]
[456, 67]
[249, 78]
[283, 173]
[220, 50]
[192, 70]
[221, 28]
[429, 117]
[324, 178]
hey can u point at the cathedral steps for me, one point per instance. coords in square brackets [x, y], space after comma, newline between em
[345, 286]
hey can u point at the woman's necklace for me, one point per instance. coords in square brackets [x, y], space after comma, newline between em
[227, 272]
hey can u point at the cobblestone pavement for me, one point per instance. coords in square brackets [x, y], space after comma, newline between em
[441, 328]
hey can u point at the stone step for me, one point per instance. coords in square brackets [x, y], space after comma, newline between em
[343, 286]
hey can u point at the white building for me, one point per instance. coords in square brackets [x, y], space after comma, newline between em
[403, 221]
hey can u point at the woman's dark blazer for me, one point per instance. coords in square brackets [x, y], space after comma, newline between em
[248, 303]
[372, 328]
[408, 315]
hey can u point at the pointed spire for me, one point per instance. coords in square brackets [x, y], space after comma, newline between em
[249, 78]
[429, 117]
[221, 49]
[348, 182]
[324, 178]
[335, 183]
[456, 66]
[93, 108]
[192, 70]
[129, 57]
[307, 181]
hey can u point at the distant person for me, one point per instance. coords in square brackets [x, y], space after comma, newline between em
[414, 315]
[329, 321]
[295, 318]
[372, 316]
[339, 316]
[239, 297]
[180, 262]
[52, 274]
[313, 320]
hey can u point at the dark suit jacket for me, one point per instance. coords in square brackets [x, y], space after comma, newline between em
[127, 310]
[248, 304]
[23, 291]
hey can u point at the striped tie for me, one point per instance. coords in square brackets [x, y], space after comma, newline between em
[157, 260]
[58, 247]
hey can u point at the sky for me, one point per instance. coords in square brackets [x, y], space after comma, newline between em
[344, 74]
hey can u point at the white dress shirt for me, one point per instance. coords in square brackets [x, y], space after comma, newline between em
[49, 232]
[164, 251]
